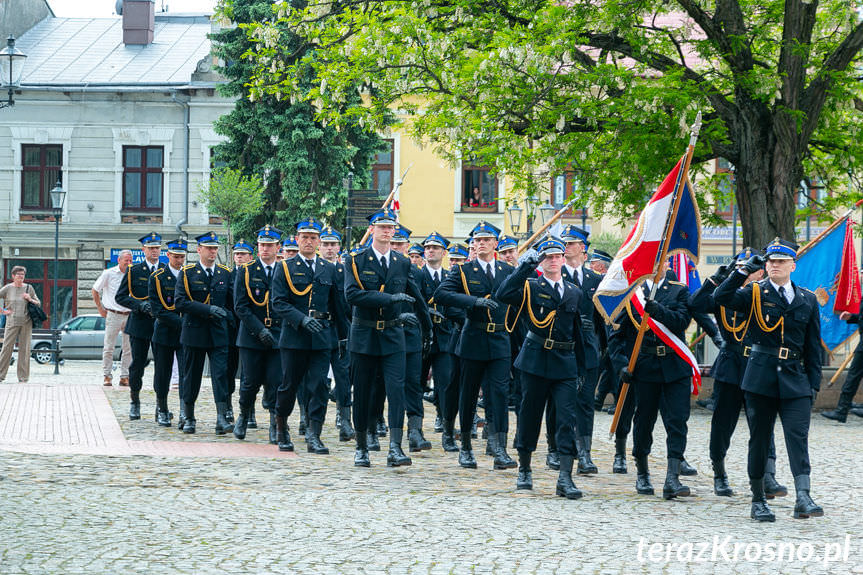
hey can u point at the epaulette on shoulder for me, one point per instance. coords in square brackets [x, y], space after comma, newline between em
[806, 289]
[764, 282]
[676, 283]
[507, 264]
[226, 268]
[251, 263]
[187, 266]
[159, 272]
[400, 255]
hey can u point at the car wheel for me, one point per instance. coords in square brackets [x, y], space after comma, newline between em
[42, 353]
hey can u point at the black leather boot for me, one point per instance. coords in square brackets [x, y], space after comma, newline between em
[804, 507]
[302, 427]
[720, 479]
[448, 437]
[372, 441]
[759, 511]
[361, 455]
[585, 464]
[222, 425]
[381, 427]
[490, 441]
[465, 455]
[181, 421]
[252, 423]
[425, 444]
[189, 427]
[772, 488]
[858, 411]
[346, 431]
[565, 486]
[313, 439]
[673, 487]
[241, 423]
[642, 478]
[525, 475]
[840, 414]
[438, 424]
[283, 434]
[135, 406]
[229, 413]
[502, 460]
[414, 438]
[619, 465]
[162, 419]
[274, 434]
[552, 460]
[396, 457]
[686, 469]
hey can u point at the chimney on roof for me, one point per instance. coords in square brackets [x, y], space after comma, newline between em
[139, 19]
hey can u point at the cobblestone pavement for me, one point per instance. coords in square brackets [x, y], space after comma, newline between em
[80, 513]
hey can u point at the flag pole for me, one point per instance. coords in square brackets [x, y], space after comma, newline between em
[529, 241]
[827, 230]
[398, 184]
[841, 368]
[669, 228]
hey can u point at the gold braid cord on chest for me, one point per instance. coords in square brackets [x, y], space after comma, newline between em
[738, 332]
[759, 317]
[129, 282]
[188, 292]
[161, 297]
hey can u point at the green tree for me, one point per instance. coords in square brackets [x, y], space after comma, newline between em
[302, 162]
[232, 197]
[607, 89]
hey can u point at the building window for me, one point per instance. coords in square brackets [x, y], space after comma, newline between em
[563, 187]
[383, 169]
[41, 169]
[40, 274]
[142, 178]
[479, 189]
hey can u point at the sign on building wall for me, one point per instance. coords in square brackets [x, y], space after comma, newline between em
[137, 256]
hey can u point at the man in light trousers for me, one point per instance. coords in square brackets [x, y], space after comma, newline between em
[104, 291]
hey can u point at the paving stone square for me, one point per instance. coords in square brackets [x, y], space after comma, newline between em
[85, 490]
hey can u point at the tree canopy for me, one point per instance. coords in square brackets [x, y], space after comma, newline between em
[302, 161]
[606, 89]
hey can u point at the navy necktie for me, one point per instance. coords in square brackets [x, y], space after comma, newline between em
[384, 264]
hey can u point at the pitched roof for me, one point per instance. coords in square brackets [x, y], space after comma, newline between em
[88, 51]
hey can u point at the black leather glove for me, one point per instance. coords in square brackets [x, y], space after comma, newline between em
[409, 319]
[312, 325]
[218, 312]
[653, 308]
[717, 340]
[625, 376]
[487, 303]
[265, 336]
[343, 348]
[437, 314]
[146, 308]
[720, 274]
[427, 343]
[753, 264]
[531, 259]
[402, 298]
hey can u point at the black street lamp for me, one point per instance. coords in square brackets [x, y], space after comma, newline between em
[58, 194]
[514, 212]
[11, 68]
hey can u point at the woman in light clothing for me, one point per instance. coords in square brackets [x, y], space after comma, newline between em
[19, 326]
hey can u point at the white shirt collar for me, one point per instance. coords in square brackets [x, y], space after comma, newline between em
[485, 265]
[380, 255]
[789, 289]
[175, 272]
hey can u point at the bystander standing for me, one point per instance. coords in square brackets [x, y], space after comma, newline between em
[104, 291]
[19, 326]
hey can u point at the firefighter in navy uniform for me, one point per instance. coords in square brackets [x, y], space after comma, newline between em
[783, 373]
[662, 381]
[574, 270]
[306, 298]
[258, 332]
[339, 361]
[133, 294]
[551, 360]
[439, 357]
[727, 373]
[484, 346]
[166, 330]
[242, 253]
[377, 282]
[203, 295]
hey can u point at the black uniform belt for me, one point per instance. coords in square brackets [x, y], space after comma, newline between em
[271, 322]
[734, 347]
[550, 343]
[487, 327]
[780, 352]
[436, 319]
[657, 350]
[379, 325]
[315, 314]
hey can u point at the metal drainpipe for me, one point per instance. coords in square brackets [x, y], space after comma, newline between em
[186, 120]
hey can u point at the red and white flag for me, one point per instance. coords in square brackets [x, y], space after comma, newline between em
[848, 283]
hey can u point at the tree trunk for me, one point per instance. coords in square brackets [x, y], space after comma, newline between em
[766, 176]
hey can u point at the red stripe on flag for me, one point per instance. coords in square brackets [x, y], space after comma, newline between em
[848, 284]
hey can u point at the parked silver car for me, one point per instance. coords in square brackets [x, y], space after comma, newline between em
[81, 337]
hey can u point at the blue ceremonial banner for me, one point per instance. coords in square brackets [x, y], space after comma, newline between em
[818, 270]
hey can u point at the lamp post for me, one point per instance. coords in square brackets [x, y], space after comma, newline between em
[58, 194]
[11, 68]
[514, 212]
[546, 212]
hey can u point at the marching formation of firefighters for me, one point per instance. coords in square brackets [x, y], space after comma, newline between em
[515, 332]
